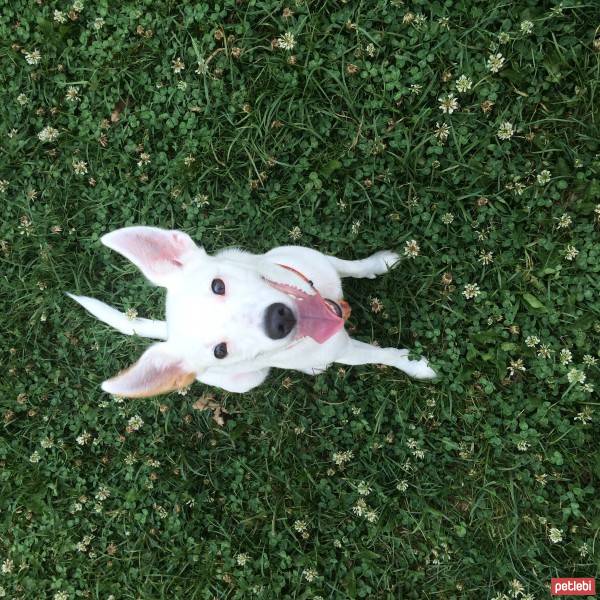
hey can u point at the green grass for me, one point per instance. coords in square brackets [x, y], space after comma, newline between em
[350, 157]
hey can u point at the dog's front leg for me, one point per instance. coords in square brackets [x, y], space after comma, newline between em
[234, 382]
[359, 353]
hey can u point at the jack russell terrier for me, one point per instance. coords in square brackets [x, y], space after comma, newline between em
[234, 315]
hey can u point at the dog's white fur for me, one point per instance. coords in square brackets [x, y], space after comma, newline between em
[197, 319]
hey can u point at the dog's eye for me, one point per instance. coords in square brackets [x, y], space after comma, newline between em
[221, 350]
[218, 287]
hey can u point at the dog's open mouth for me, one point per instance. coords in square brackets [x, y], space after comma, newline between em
[318, 317]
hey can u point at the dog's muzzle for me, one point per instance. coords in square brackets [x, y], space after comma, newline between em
[279, 321]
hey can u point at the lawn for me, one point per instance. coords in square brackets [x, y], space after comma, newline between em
[462, 134]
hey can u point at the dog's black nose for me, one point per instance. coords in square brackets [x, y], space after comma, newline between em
[279, 321]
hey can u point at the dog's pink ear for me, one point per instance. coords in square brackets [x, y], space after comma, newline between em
[158, 371]
[159, 253]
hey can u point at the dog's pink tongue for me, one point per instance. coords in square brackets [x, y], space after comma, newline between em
[316, 320]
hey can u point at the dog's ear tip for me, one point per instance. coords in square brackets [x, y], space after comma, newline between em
[107, 238]
[108, 386]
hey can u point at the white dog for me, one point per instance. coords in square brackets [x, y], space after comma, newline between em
[233, 316]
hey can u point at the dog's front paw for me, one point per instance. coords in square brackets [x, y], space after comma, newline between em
[382, 262]
[420, 369]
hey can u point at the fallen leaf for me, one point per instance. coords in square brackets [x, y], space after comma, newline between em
[207, 402]
[116, 113]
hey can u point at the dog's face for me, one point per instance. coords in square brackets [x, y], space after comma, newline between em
[221, 311]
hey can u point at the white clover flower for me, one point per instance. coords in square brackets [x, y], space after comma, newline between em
[448, 104]
[402, 485]
[506, 130]
[564, 221]
[7, 566]
[442, 131]
[526, 27]
[300, 526]
[341, 458]
[571, 252]
[131, 314]
[463, 84]
[177, 65]
[486, 258]
[59, 16]
[576, 376]
[519, 188]
[544, 177]
[565, 356]
[102, 494]
[363, 488]
[515, 365]
[419, 20]
[72, 94]
[555, 535]
[32, 58]
[516, 588]
[495, 62]
[287, 41]
[135, 423]
[359, 508]
[144, 159]
[48, 134]
[80, 167]
[585, 416]
[202, 67]
[371, 516]
[471, 290]
[411, 249]
[83, 438]
[532, 341]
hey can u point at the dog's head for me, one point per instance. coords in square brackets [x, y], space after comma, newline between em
[221, 310]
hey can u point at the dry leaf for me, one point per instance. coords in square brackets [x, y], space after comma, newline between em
[116, 113]
[206, 402]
